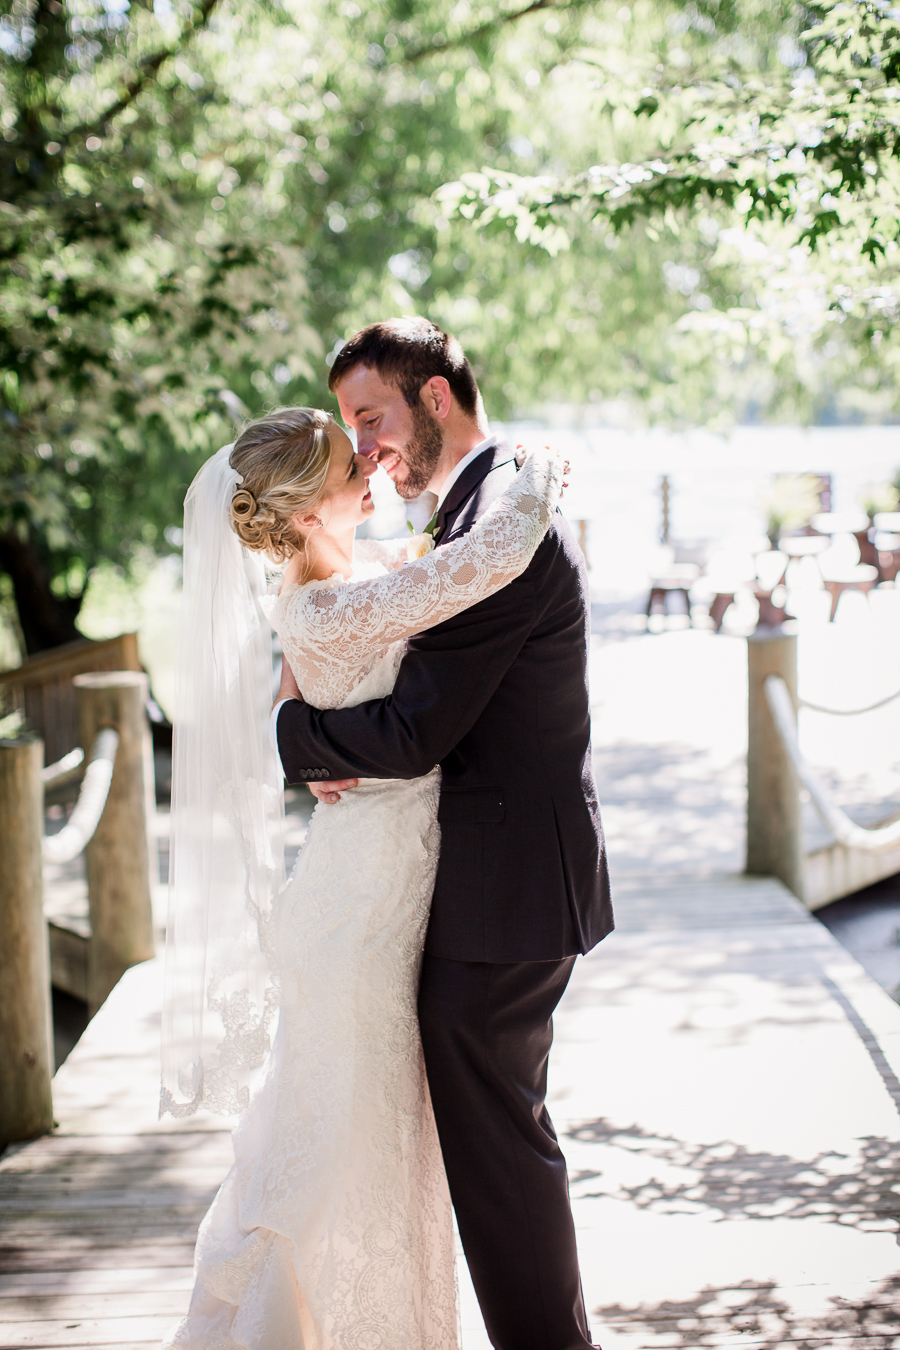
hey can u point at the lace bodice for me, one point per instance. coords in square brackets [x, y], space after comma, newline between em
[336, 632]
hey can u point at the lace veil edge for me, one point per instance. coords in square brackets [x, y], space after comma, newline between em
[226, 861]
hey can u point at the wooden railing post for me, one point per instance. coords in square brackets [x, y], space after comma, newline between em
[26, 1036]
[118, 856]
[774, 824]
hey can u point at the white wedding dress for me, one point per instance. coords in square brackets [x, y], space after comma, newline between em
[333, 1230]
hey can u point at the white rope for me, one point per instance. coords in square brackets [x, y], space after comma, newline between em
[66, 767]
[79, 829]
[845, 831]
[848, 712]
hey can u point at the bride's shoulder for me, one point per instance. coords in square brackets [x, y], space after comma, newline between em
[297, 599]
[294, 595]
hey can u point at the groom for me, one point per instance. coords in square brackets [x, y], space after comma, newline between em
[498, 697]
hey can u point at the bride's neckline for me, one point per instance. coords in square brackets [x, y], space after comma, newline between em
[312, 581]
[362, 571]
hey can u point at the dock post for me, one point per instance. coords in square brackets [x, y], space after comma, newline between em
[774, 824]
[118, 856]
[26, 1035]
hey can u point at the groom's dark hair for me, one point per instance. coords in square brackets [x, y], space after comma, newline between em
[408, 353]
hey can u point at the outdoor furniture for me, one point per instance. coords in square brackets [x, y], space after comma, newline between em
[770, 614]
[887, 544]
[840, 522]
[804, 545]
[868, 552]
[887, 547]
[721, 603]
[678, 581]
[771, 568]
[855, 523]
[862, 583]
[729, 570]
[842, 570]
[847, 564]
[677, 567]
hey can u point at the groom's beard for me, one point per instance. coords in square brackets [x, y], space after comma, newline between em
[421, 453]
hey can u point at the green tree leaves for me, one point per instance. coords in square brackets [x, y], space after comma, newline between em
[655, 210]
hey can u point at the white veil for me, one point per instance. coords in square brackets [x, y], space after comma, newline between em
[227, 861]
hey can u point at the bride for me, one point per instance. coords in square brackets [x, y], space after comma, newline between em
[333, 1229]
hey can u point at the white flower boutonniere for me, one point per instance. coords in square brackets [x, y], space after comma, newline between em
[418, 545]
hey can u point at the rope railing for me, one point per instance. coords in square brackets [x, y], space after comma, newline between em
[109, 823]
[64, 769]
[848, 712]
[845, 830]
[79, 829]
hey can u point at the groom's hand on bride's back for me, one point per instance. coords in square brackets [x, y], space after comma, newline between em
[326, 792]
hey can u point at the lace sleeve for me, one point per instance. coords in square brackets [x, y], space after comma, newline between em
[326, 624]
[390, 553]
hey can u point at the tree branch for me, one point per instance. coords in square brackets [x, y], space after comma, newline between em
[415, 54]
[148, 70]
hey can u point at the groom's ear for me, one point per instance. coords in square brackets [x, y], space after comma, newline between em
[435, 394]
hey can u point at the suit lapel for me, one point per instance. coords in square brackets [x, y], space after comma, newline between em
[468, 481]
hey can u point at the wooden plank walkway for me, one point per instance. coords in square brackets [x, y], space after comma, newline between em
[725, 1081]
[100, 1219]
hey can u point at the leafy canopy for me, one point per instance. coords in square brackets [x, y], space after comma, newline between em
[681, 212]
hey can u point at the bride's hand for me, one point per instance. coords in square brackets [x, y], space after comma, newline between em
[545, 452]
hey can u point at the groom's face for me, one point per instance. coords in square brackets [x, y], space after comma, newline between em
[406, 442]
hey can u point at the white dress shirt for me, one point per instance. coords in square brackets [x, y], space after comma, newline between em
[488, 443]
[464, 463]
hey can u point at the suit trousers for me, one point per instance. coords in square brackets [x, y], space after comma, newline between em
[486, 1032]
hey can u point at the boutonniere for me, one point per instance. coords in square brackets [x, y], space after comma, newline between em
[419, 544]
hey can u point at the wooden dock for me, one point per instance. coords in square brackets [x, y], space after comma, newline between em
[726, 1085]
[725, 1082]
[99, 1219]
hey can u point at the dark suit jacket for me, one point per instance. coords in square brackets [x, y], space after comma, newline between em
[498, 697]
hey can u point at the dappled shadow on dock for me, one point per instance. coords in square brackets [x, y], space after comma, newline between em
[675, 806]
[74, 1202]
[757, 1313]
[739, 1183]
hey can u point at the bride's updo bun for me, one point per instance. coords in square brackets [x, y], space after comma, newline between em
[283, 460]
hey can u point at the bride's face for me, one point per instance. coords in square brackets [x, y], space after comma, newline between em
[346, 501]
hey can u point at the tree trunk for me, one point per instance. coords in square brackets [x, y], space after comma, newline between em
[46, 620]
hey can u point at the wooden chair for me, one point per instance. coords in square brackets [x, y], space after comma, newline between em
[842, 571]
[771, 568]
[679, 565]
[886, 542]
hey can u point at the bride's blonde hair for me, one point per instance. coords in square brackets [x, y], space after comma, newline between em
[283, 460]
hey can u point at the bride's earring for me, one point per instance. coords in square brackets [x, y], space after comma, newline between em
[320, 524]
